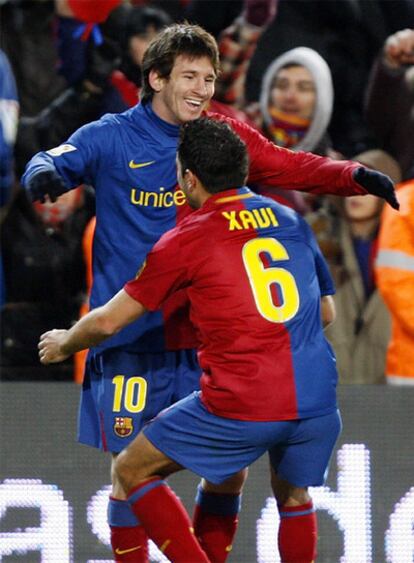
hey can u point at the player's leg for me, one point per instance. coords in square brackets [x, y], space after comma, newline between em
[216, 448]
[217, 507]
[121, 392]
[129, 539]
[297, 537]
[140, 468]
[216, 514]
[98, 427]
[298, 462]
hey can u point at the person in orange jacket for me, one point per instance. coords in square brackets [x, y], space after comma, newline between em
[395, 280]
[79, 358]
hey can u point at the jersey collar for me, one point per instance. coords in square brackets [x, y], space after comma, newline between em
[168, 128]
[227, 196]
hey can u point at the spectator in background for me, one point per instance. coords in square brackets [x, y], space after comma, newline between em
[44, 276]
[9, 113]
[101, 69]
[107, 66]
[390, 99]
[348, 35]
[395, 279]
[296, 100]
[26, 36]
[348, 240]
[295, 109]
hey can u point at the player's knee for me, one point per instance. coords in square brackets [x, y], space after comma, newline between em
[233, 485]
[238, 480]
[287, 494]
[126, 472]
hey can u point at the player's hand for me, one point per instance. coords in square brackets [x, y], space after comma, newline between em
[377, 184]
[399, 49]
[260, 12]
[50, 347]
[46, 183]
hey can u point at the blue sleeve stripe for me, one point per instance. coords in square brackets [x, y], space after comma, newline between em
[145, 489]
[294, 514]
[121, 515]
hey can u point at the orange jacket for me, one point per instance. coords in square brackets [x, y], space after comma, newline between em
[395, 280]
[87, 243]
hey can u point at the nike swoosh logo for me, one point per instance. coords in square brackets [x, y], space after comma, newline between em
[140, 164]
[122, 551]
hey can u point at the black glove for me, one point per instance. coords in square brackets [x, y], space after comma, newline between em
[377, 184]
[45, 183]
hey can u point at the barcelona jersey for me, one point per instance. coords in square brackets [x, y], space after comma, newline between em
[129, 159]
[254, 276]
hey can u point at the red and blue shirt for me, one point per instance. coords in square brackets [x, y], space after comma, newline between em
[129, 159]
[254, 276]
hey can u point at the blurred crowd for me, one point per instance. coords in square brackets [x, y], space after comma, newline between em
[333, 77]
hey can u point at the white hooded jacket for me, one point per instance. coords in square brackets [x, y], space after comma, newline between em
[321, 74]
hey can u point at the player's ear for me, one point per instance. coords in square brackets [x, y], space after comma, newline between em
[189, 179]
[155, 80]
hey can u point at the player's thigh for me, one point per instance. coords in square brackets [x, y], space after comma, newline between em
[140, 461]
[302, 459]
[213, 447]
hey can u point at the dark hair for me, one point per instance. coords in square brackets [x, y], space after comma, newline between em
[175, 40]
[214, 153]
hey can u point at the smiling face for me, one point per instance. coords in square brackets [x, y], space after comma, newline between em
[293, 91]
[186, 92]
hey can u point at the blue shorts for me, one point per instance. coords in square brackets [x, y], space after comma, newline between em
[122, 391]
[216, 448]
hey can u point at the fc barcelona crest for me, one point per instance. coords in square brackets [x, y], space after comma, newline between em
[123, 426]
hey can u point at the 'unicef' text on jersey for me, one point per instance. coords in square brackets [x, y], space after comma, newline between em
[157, 199]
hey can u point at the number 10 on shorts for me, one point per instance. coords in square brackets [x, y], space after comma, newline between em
[129, 393]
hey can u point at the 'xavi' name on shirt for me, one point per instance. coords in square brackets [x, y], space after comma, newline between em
[260, 218]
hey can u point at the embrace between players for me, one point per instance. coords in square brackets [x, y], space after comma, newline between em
[259, 293]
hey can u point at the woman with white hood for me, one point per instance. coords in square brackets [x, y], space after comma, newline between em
[294, 111]
[296, 101]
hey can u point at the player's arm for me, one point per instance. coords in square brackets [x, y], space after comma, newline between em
[53, 172]
[328, 311]
[325, 280]
[98, 325]
[276, 166]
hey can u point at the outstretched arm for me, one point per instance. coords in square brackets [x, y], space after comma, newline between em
[271, 165]
[98, 325]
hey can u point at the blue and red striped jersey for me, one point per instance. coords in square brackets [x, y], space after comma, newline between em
[129, 159]
[254, 276]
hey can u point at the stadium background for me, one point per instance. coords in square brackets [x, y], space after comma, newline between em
[53, 491]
